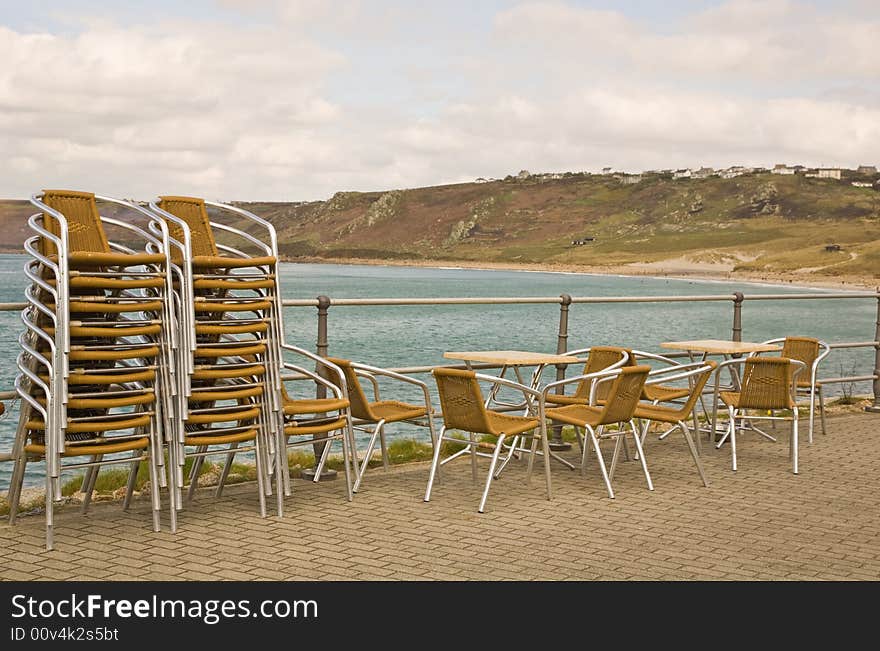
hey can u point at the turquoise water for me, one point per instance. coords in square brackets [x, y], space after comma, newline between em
[419, 335]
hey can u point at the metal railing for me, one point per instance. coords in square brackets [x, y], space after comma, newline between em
[737, 299]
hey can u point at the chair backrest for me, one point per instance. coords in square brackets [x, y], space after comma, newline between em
[360, 404]
[599, 358]
[191, 210]
[699, 383]
[84, 230]
[623, 394]
[803, 349]
[766, 383]
[462, 400]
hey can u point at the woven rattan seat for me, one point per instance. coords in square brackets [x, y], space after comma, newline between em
[232, 392]
[123, 353]
[599, 358]
[313, 405]
[230, 351]
[224, 262]
[309, 428]
[215, 373]
[248, 413]
[214, 437]
[90, 259]
[231, 306]
[74, 449]
[230, 329]
[97, 425]
[229, 283]
[577, 414]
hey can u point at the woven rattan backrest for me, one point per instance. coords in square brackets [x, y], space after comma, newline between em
[462, 400]
[360, 404]
[803, 349]
[624, 394]
[766, 383]
[600, 358]
[84, 230]
[191, 210]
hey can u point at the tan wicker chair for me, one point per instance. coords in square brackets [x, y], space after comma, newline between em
[94, 371]
[378, 413]
[697, 376]
[599, 358]
[463, 405]
[625, 387]
[811, 352]
[767, 384]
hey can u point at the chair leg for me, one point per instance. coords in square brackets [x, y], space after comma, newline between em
[346, 465]
[615, 456]
[365, 463]
[434, 440]
[545, 444]
[794, 443]
[194, 474]
[261, 484]
[812, 414]
[50, 514]
[731, 430]
[531, 463]
[435, 463]
[230, 457]
[132, 480]
[601, 460]
[473, 448]
[821, 408]
[384, 447]
[154, 484]
[17, 479]
[694, 452]
[281, 467]
[495, 454]
[641, 455]
[324, 456]
[86, 487]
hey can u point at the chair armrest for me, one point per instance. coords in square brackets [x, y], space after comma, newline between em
[318, 360]
[375, 370]
[338, 392]
[373, 381]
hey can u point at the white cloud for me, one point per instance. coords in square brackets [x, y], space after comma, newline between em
[271, 110]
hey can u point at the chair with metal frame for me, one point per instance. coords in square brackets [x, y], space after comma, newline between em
[463, 408]
[811, 352]
[697, 375]
[599, 358]
[373, 415]
[95, 377]
[624, 389]
[767, 384]
[228, 361]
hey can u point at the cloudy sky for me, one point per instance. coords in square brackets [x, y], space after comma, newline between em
[296, 99]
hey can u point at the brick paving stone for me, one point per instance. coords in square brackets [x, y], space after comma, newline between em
[759, 523]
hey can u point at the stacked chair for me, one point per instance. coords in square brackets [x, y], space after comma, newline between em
[230, 359]
[95, 368]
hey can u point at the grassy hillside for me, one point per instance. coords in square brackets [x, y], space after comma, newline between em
[755, 223]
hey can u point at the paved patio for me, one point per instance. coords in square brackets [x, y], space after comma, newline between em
[761, 522]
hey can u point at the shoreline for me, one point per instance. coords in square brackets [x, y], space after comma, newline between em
[677, 270]
[697, 272]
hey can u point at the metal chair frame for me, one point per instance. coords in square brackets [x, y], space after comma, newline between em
[735, 413]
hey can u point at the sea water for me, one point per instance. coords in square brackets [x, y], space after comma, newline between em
[416, 335]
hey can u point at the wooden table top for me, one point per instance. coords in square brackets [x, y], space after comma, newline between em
[721, 346]
[511, 357]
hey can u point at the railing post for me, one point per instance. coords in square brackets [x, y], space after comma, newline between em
[321, 347]
[875, 405]
[556, 442]
[737, 316]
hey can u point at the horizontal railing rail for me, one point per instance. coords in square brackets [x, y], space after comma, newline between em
[323, 303]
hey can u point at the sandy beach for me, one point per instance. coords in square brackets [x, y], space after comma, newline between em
[680, 268]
